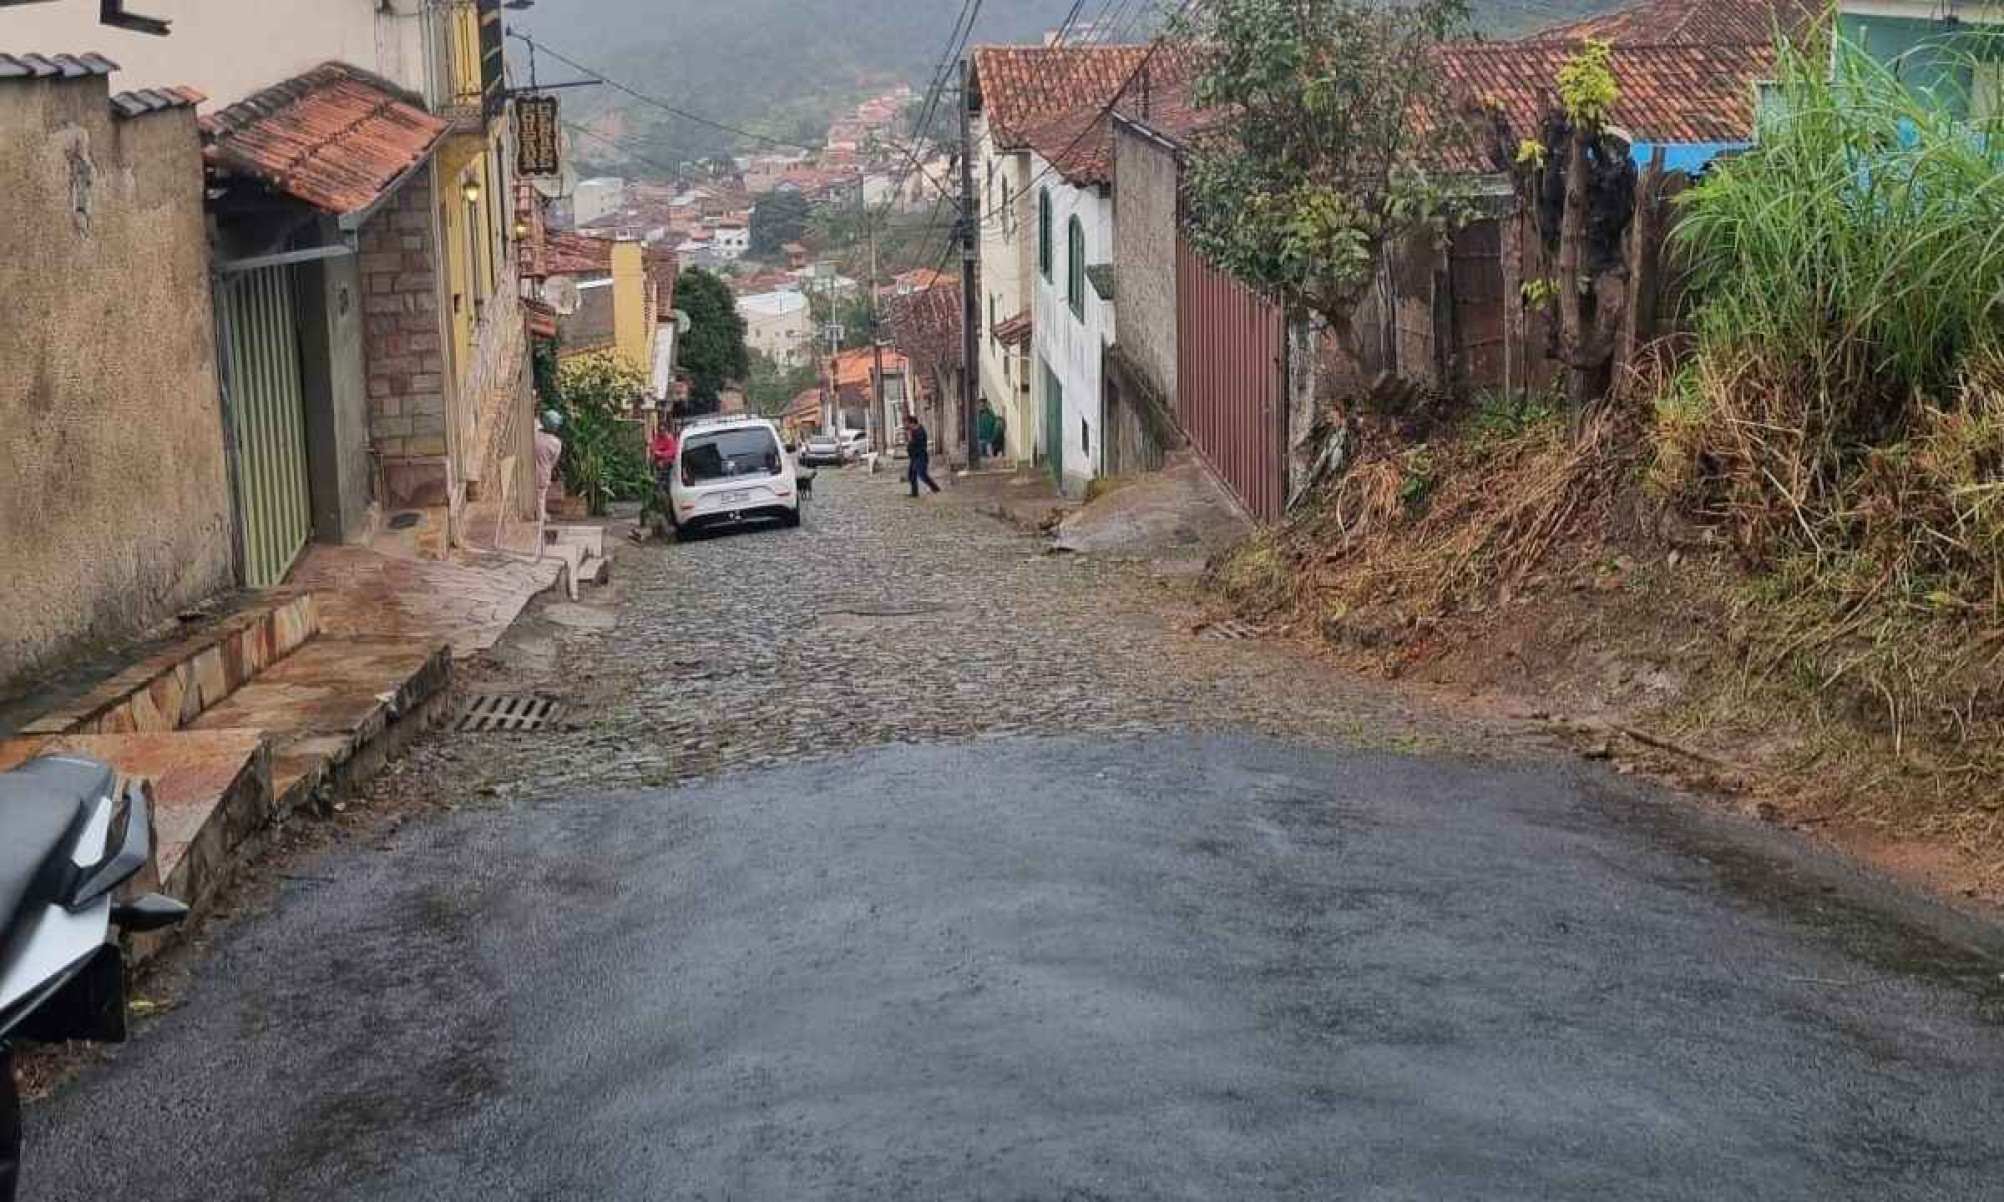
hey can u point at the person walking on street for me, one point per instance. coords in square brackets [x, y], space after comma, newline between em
[918, 450]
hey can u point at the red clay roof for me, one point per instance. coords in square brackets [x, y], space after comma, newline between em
[926, 324]
[1013, 331]
[336, 137]
[1020, 86]
[853, 368]
[1669, 93]
[806, 405]
[1078, 144]
[541, 319]
[1705, 22]
[574, 254]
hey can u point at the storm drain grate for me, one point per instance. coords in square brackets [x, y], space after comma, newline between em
[488, 713]
[1230, 631]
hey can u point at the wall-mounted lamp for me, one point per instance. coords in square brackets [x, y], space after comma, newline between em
[471, 191]
[521, 230]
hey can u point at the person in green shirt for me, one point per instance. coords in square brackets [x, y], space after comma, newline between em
[989, 429]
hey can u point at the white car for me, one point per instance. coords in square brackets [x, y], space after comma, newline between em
[728, 471]
[821, 448]
[854, 443]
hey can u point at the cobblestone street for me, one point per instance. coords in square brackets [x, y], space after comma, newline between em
[883, 620]
[979, 875]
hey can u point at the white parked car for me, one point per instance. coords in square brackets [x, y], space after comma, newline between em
[821, 448]
[731, 470]
[855, 444]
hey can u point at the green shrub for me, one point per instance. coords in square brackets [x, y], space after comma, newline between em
[605, 453]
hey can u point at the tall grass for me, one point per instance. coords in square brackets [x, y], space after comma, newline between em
[1843, 412]
[1850, 270]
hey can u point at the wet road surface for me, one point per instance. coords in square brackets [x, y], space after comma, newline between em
[1156, 966]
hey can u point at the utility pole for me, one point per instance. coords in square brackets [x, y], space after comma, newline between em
[831, 391]
[970, 302]
[878, 438]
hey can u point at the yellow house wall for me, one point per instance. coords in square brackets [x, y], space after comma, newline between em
[630, 332]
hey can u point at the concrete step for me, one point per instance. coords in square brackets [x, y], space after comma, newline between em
[336, 709]
[590, 537]
[581, 552]
[174, 684]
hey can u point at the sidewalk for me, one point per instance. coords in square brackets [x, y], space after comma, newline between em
[1023, 497]
[289, 702]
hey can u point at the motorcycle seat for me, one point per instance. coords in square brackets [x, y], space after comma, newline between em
[41, 805]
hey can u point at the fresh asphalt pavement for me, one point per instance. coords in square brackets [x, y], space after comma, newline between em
[1143, 966]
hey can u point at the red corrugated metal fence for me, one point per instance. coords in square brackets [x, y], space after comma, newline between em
[1231, 376]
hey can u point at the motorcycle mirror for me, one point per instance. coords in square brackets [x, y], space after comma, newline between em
[123, 859]
[148, 913]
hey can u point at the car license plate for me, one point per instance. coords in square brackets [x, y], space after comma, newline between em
[734, 498]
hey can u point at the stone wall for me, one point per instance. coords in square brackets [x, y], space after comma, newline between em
[498, 408]
[1144, 257]
[403, 348]
[115, 509]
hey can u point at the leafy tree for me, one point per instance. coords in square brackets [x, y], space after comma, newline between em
[1313, 169]
[770, 388]
[853, 313]
[713, 351]
[843, 225]
[779, 217]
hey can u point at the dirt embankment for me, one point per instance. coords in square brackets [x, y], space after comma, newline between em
[1508, 565]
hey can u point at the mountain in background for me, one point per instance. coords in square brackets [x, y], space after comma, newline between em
[783, 68]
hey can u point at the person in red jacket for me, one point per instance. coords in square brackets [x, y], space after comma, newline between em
[666, 443]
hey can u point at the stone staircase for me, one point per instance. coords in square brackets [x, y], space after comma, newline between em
[581, 550]
[239, 725]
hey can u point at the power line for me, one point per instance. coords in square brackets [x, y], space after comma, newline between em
[1086, 130]
[656, 101]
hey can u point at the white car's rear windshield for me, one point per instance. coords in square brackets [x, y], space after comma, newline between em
[728, 454]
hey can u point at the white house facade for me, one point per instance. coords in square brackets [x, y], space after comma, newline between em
[1013, 92]
[1072, 324]
[778, 325]
[731, 242]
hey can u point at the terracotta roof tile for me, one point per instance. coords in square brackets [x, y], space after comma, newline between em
[540, 318]
[574, 254]
[1020, 86]
[1705, 22]
[1013, 331]
[1688, 93]
[336, 137]
[1669, 93]
[926, 324]
[806, 406]
[853, 368]
[1078, 145]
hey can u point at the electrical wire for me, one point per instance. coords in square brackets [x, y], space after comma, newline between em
[655, 101]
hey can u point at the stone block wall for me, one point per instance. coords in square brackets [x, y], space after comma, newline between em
[403, 348]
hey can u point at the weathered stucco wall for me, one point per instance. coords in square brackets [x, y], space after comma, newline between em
[1007, 247]
[228, 49]
[1144, 257]
[114, 502]
[1069, 347]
